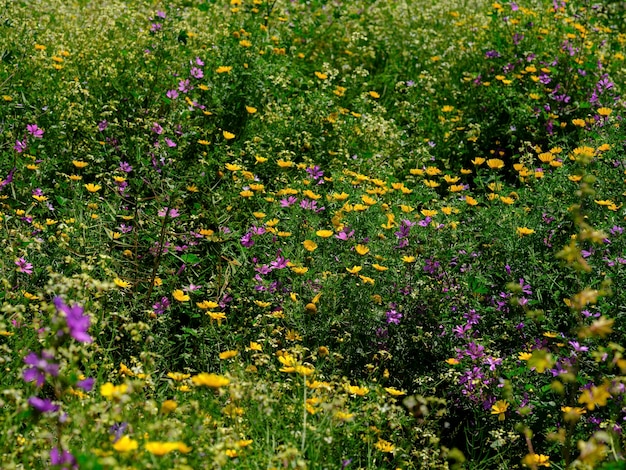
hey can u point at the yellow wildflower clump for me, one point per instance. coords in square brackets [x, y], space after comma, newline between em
[205, 379]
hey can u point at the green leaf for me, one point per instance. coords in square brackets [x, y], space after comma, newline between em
[190, 258]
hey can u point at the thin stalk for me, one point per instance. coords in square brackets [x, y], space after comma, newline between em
[157, 258]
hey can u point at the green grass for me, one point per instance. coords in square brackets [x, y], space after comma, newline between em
[312, 234]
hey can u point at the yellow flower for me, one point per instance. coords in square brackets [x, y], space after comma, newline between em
[536, 460]
[384, 446]
[255, 346]
[431, 184]
[379, 267]
[470, 201]
[452, 361]
[178, 376]
[180, 296]
[232, 167]
[228, 354]
[244, 442]
[210, 380]
[228, 135]
[370, 201]
[299, 270]
[522, 231]
[579, 122]
[162, 448]
[356, 390]
[447, 109]
[207, 304]
[93, 188]
[309, 245]
[218, 316]
[495, 163]
[524, 356]
[125, 444]
[408, 259]
[223, 69]
[79, 164]
[251, 110]
[478, 161]
[499, 408]
[321, 76]
[108, 390]
[374, 95]
[354, 269]
[595, 396]
[394, 392]
[361, 249]
[284, 163]
[572, 414]
[343, 416]
[324, 233]
[605, 111]
[121, 283]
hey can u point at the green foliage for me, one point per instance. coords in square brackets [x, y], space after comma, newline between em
[312, 234]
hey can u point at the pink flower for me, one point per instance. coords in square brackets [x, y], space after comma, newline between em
[23, 266]
[35, 131]
[20, 146]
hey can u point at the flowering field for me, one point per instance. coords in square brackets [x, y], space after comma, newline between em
[267, 234]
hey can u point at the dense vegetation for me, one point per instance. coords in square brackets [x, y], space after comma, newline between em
[312, 234]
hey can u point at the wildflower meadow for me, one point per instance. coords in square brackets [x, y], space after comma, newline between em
[312, 234]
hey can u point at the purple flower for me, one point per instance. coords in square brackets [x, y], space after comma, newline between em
[20, 145]
[199, 62]
[8, 179]
[345, 234]
[173, 213]
[161, 14]
[86, 384]
[23, 266]
[393, 316]
[41, 366]
[315, 172]
[118, 430]
[160, 307]
[460, 330]
[43, 405]
[102, 125]
[156, 27]
[196, 72]
[493, 362]
[279, 263]
[247, 240]
[170, 143]
[125, 167]
[157, 129]
[172, 94]
[184, 86]
[291, 200]
[62, 457]
[77, 322]
[35, 131]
